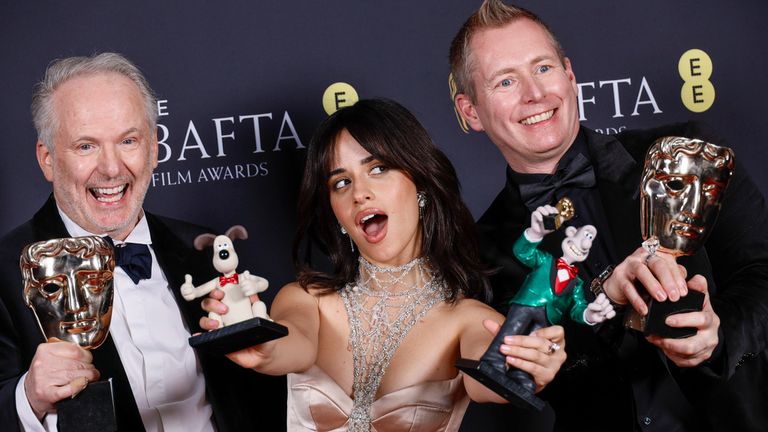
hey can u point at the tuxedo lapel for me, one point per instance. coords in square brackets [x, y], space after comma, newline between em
[619, 185]
[177, 259]
[47, 223]
[107, 361]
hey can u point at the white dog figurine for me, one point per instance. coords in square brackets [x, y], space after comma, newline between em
[237, 287]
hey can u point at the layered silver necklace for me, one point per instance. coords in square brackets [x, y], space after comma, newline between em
[382, 306]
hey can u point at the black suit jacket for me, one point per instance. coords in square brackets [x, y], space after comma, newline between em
[613, 378]
[241, 399]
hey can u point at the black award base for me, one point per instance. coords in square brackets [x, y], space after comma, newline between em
[499, 382]
[654, 322]
[659, 311]
[237, 336]
[92, 410]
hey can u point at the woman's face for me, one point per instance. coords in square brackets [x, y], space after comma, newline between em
[375, 204]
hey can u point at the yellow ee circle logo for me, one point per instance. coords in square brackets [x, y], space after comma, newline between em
[698, 92]
[338, 95]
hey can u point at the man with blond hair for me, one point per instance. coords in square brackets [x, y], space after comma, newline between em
[514, 82]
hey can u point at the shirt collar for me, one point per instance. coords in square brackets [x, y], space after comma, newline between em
[578, 146]
[140, 233]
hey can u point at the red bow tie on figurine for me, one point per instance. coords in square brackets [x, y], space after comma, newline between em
[572, 271]
[223, 280]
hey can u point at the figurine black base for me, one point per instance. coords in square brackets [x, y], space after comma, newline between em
[92, 410]
[659, 311]
[499, 382]
[235, 337]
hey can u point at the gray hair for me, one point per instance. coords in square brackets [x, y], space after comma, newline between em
[62, 70]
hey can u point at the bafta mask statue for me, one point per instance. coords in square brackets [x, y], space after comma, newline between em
[681, 192]
[68, 285]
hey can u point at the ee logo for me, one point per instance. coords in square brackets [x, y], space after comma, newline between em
[338, 95]
[695, 68]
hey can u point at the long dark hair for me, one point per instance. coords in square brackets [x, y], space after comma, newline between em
[392, 135]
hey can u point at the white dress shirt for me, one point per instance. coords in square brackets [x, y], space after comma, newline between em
[151, 339]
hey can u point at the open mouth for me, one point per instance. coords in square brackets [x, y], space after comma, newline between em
[109, 195]
[373, 225]
[538, 118]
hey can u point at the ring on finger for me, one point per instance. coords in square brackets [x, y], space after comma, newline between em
[83, 381]
[553, 347]
[650, 245]
[648, 258]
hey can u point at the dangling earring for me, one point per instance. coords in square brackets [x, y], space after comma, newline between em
[344, 232]
[421, 199]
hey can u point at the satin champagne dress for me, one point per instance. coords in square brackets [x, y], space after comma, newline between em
[317, 403]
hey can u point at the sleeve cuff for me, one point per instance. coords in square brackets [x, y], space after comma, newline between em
[28, 421]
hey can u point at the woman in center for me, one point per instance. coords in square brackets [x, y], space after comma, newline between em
[372, 343]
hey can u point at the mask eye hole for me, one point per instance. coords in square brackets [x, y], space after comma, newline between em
[675, 185]
[50, 288]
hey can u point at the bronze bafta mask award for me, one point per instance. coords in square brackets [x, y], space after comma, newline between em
[68, 285]
[681, 192]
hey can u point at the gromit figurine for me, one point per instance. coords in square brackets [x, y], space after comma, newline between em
[237, 287]
[551, 290]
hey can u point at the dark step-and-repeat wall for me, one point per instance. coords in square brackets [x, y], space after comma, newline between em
[242, 86]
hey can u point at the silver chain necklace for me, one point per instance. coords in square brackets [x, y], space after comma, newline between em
[382, 308]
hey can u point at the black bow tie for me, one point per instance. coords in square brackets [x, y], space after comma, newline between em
[576, 173]
[134, 259]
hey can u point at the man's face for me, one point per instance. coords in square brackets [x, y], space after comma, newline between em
[681, 193]
[71, 297]
[104, 153]
[525, 96]
[577, 243]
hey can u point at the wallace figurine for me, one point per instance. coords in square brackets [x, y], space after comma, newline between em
[551, 290]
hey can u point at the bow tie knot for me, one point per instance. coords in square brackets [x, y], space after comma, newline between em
[223, 280]
[134, 258]
[570, 273]
[576, 173]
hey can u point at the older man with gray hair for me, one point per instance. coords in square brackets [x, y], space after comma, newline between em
[97, 144]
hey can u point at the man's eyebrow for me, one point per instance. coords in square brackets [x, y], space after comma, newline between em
[509, 69]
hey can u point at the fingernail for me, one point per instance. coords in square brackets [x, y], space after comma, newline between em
[508, 340]
[660, 295]
[671, 321]
[505, 349]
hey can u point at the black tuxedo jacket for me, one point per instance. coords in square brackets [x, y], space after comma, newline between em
[241, 399]
[614, 379]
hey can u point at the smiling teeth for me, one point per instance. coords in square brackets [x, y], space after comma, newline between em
[367, 218]
[576, 251]
[537, 118]
[109, 194]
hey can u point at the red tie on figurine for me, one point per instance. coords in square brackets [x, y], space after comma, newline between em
[561, 281]
[223, 280]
